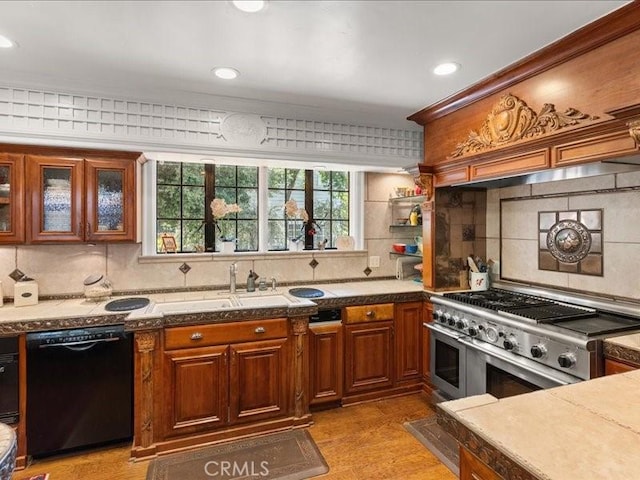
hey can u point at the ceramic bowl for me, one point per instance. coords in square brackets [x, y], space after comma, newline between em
[399, 247]
[411, 248]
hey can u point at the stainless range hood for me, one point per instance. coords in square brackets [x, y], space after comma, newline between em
[605, 167]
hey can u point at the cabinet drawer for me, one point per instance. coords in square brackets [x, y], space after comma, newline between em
[221, 333]
[368, 313]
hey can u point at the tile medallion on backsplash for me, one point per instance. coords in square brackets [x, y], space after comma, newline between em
[367, 271]
[314, 263]
[468, 233]
[184, 268]
[571, 241]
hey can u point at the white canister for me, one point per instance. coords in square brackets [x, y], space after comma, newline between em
[25, 293]
[479, 280]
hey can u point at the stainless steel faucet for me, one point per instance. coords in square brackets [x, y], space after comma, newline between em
[233, 269]
[273, 283]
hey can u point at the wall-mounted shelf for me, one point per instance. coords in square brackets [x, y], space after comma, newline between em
[409, 199]
[419, 255]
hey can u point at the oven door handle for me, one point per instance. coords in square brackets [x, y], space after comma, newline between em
[444, 331]
[540, 372]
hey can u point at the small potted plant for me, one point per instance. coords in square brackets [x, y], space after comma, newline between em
[220, 208]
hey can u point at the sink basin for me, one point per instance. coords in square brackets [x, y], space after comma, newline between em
[265, 301]
[193, 306]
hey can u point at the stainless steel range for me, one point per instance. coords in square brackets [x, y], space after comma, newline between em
[505, 342]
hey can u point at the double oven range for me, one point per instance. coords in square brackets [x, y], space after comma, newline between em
[511, 340]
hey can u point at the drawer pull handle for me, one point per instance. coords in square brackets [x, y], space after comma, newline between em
[196, 336]
[260, 330]
[370, 313]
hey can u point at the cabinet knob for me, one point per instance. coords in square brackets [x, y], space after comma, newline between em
[260, 330]
[370, 313]
[196, 336]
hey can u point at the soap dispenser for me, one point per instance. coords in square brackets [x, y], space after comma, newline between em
[251, 281]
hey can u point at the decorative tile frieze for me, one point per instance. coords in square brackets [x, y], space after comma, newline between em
[149, 124]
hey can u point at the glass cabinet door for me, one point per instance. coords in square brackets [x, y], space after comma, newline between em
[110, 202]
[11, 198]
[55, 206]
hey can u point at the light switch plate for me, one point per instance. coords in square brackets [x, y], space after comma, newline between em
[374, 261]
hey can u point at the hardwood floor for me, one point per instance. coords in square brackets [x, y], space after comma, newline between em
[359, 442]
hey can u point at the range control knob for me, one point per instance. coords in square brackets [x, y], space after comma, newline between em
[491, 333]
[445, 318]
[567, 360]
[538, 351]
[462, 323]
[437, 315]
[473, 331]
[453, 320]
[510, 343]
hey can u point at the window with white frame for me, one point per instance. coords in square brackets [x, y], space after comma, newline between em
[199, 205]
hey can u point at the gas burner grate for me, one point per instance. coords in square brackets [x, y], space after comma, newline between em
[550, 313]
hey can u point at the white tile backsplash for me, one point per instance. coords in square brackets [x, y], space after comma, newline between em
[519, 222]
[520, 217]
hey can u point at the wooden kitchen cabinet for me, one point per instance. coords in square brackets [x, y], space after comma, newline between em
[472, 468]
[221, 383]
[326, 367]
[11, 198]
[78, 200]
[369, 356]
[611, 367]
[196, 389]
[408, 341]
[258, 380]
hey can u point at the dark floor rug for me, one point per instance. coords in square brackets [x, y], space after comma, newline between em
[290, 455]
[437, 441]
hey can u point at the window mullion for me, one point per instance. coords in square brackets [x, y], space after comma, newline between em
[263, 209]
[308, 206]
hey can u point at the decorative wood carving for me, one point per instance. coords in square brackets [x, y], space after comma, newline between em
[425, 182]
[511, 119]
[146, 343]
[634, 131]
[300, 329]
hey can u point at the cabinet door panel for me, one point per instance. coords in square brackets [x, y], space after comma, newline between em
[196, 389]
[327, 363]
[426, 343]
[611, 367]
[408, 341]
[258, 380]
[54, 207]
[11, 198]
[110, 200]
[368, 356]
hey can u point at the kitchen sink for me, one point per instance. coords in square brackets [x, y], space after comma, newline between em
[189, 306]
[265, 301]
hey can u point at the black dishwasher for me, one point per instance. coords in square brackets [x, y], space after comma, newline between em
[79, 389]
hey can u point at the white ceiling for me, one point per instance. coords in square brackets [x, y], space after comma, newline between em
[355, 61]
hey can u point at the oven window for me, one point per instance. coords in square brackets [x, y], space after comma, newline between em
[502, 384]
[448, 363]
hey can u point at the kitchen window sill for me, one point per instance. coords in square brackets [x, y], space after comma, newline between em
[209, 257]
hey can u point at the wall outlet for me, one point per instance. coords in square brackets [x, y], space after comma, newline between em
[374, 261]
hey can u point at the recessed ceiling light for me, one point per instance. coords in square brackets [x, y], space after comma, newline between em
[249, 6]
[5, 42]
[226, 73]
[446, 68]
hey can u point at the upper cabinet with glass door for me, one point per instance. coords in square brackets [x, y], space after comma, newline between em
[11, 198]
[75, 200]
[110, 200]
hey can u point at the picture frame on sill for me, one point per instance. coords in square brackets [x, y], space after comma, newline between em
[169, 243]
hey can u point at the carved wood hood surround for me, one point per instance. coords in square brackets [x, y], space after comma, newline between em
[511, 119]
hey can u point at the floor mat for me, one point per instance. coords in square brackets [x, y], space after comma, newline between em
[437, 441]
[290, 455]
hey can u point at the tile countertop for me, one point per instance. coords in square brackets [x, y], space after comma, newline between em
[625, 348]
[587, 430]
[78, 312]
